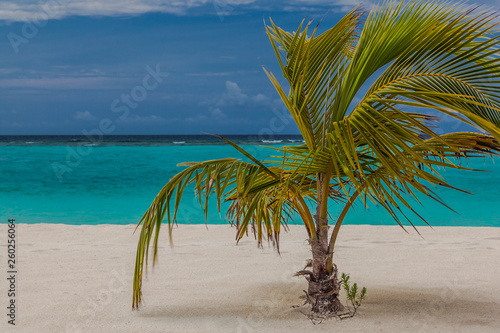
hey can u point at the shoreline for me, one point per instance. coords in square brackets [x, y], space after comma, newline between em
[75, 278]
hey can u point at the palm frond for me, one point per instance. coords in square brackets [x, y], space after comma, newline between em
[313, 67]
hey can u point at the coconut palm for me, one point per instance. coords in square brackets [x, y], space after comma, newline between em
[346, 89]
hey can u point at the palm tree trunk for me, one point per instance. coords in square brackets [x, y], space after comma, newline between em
[324, 287]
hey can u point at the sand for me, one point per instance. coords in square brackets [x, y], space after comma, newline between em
[79, 279]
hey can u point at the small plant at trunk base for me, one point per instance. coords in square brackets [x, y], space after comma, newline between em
[376, 145]
[353, 295]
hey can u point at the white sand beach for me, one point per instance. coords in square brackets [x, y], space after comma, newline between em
[79, 279]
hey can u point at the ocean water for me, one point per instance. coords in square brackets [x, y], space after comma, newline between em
[112, 180]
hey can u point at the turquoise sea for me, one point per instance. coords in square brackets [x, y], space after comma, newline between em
[112, 180]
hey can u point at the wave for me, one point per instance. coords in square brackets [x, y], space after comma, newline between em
[272, 141]
[179, 142]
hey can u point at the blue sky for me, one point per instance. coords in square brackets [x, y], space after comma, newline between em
[66, 65]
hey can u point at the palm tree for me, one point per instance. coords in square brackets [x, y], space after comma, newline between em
[359, 143]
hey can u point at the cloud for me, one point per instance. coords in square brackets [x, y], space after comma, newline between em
[7, 71]
[83, 82]
[266, 102]
[217, 113]
[38, 11]
[32, 10]
[261, 99]
[197, 118]
[232, 96]
[84, 115]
